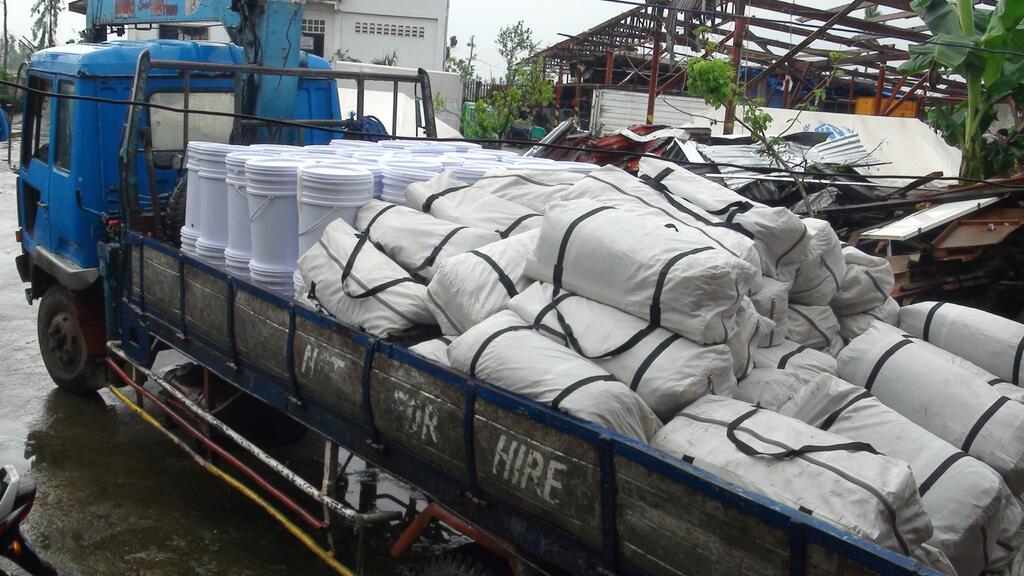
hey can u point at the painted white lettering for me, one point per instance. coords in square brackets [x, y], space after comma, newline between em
[500, 454]
[550, 482]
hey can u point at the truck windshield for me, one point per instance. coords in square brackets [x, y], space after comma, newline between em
[167, 125]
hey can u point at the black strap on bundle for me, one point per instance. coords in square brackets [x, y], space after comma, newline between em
[882, 360]
[429, 260]
[433, 197]
[928, 320]
[737, 207]
[789, 356]
[556, 277]
[938, 472]
[658, 185]
[982, 421]
[503, 278]
[803, 233]
[730, 433]
[641, 370]
[580, 384]
[1016, 362]
[487, 342]
[515, 224]
[824, 336]
[831, 418]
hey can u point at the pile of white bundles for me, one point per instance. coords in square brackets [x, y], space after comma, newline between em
[863, 295]
[674, 278]
[988, 341]
[665, 369]
[352, 280]
[843, 482]
[977, 521]
[415, 240]
[446, 198]
[911, 377]
[509, 353]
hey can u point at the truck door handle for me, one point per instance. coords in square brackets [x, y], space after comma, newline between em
[43, 204]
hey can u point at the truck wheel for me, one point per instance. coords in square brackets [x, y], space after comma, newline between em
[62, 345]
[454, 564]
[174, 214]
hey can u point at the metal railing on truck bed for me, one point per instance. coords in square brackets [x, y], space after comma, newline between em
[565, 492]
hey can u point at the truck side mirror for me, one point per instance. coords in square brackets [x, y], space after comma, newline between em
[5, 126]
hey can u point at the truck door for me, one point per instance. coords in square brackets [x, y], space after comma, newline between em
[36, 161]
[69, 231]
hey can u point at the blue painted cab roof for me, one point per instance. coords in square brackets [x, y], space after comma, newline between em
[119, 57]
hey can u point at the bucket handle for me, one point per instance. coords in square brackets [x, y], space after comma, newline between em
[320, 221]
[256, 213]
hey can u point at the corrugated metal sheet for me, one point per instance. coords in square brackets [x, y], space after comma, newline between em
[843, 151]
[614, 110]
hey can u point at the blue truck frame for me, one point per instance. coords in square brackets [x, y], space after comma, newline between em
[562, 492]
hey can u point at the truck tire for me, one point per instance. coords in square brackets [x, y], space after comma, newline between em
[454, 564]
[62, 345]
[174, 214]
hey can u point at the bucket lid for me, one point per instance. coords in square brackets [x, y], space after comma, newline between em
[278, 167]
[239, 158]
[275, 148]
[422, 164]
[351, 143]
[336, 174]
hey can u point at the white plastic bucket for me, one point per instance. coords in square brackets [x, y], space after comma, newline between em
[400, 173]
[273, 214]
[472, 171]
[326, 193]
[275, 148]
[239, 249]
[193, 210]
[213, 202]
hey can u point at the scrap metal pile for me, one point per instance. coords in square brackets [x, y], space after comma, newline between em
[739, 337]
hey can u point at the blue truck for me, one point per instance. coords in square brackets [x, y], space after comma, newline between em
[534, 490]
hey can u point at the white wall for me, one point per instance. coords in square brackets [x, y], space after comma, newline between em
[447, 84]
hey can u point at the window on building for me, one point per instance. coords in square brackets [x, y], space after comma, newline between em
[36, 125]
[62, 158]
[381, 29]
[313, 33]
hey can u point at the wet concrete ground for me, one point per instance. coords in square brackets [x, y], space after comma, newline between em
[115, 497]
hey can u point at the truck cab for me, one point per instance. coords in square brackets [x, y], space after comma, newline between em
[72, 190]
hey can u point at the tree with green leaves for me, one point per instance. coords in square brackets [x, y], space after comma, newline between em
[527, 84]
[515, 43]
[44, 29]
[983, 47]
[465, 67]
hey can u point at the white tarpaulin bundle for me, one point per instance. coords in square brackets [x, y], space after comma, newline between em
[359, 285]
[976, 520]
[823, 268]
[946, 400]
[865, 286]
[615, 187]
[992, 342]
[750, 327]
[771, 300]
[814, 326]
[449, 199]
[670, 278]
[842, 482]
[770, 388]
[435, 350]
[789, 355]
[779, 235]
[665, 369]
[534, 189]
[467, 288]
[856, 324]
[416, 240]
[508, 353]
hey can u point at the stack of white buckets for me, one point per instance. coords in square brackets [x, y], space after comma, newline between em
[254, 210]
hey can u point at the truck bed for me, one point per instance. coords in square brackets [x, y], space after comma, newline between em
[565, 492]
